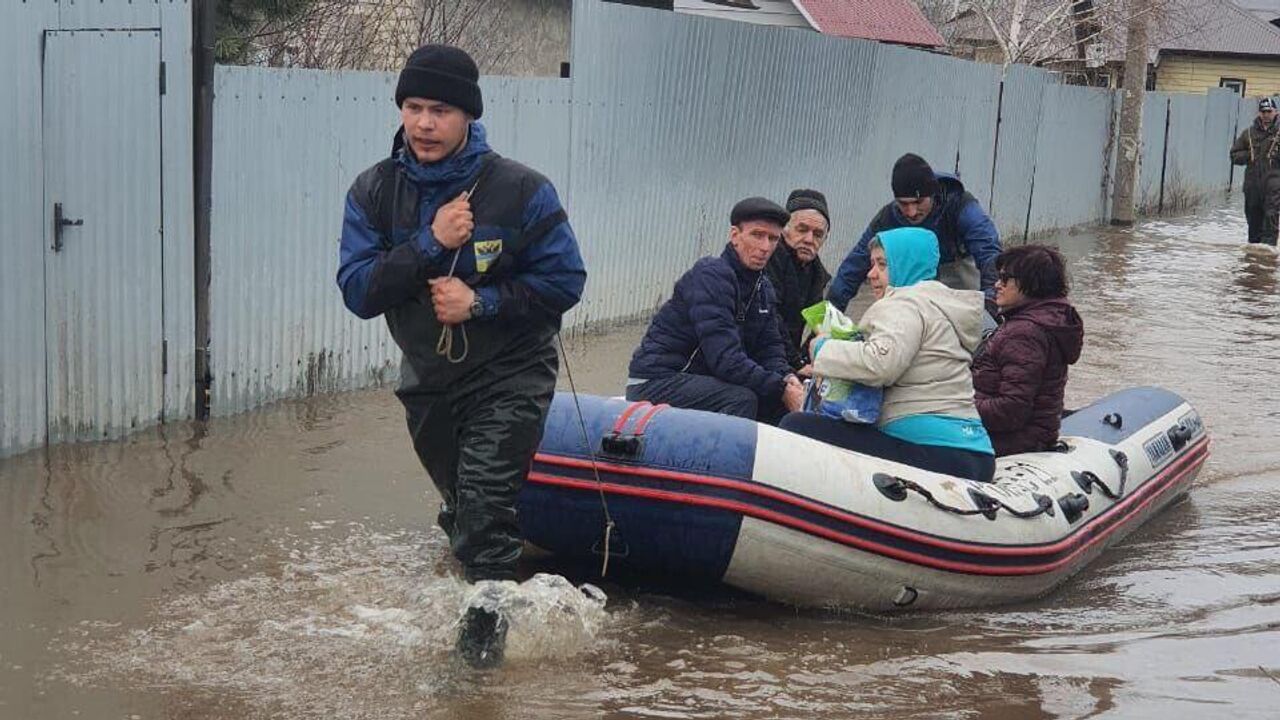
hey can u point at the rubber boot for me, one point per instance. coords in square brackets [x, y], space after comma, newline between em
[482, 638]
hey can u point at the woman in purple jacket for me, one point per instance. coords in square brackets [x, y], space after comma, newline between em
[1020, 377]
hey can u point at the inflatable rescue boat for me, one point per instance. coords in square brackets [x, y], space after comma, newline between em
[790, 518]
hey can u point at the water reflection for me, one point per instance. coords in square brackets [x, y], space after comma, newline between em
[46, 549]
[168, 499]
[1256, 281]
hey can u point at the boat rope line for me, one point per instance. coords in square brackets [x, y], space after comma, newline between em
[591, 453]
[444, 346]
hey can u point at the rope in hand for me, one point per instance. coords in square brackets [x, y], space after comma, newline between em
[586, 440]
[444, 346]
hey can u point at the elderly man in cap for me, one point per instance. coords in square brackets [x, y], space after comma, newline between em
[470, 258]
[796, 271]
[1256, 149]
[936, 201]
[715, 344]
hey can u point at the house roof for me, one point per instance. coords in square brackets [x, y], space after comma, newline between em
[759, 12]
[1264, 10]
[894, 21]
[1221, 27]
[891, 21]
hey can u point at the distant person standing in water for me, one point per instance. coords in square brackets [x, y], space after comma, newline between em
[1256, 150]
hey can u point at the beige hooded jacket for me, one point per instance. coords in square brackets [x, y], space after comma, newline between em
[919, 343]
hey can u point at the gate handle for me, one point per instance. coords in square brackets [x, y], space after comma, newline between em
[60, 222]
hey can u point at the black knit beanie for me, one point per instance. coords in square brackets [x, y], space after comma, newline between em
[805, 199]
[444, 73]
[913, 178]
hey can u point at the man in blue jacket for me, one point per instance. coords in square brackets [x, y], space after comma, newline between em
[938, 202]
[715, 345]
[470, 258]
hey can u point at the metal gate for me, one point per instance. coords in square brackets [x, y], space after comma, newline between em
[104, 314]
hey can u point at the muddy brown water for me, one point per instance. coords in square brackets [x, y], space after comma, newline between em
[284, 563]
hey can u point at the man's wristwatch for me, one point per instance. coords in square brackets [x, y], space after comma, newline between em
[477, 307]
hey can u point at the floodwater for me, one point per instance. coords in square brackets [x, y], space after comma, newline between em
[284, 563]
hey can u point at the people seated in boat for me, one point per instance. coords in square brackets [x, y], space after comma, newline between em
[797, 273]
[1021, 374]
[715, 345]
[937, 201]
[918, 340]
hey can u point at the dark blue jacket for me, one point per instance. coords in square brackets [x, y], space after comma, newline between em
[962, 226]
[522, 260]
[720, 321]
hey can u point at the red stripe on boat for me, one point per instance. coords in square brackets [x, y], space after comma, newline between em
[1193, 459]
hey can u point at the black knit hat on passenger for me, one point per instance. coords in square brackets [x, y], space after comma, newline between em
[913, 178]
[806, 199]
[758, 208]
[444, 73]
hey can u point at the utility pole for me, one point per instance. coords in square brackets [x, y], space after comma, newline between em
[1129, 149]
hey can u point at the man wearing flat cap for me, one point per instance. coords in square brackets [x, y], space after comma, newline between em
[715, 345]
[796, 271]
[470, 258]
[1256, 149]
[937, 201]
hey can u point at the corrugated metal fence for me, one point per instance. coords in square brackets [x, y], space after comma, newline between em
[287, 145]
[96, 338]
[1184, 148]
[668, 120]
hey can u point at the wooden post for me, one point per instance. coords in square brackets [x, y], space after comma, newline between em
[1129, 149]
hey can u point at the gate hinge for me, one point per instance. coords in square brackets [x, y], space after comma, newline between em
[161, 78]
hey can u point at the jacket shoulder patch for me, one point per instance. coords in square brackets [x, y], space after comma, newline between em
[487, 252]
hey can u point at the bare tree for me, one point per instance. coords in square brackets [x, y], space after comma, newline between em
[1046, 32]
[379, 34]
[940, 14]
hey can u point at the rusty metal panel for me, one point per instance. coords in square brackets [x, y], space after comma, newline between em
[103, 284]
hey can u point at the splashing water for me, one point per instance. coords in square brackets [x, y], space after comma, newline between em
[548, 616]
[331, 619]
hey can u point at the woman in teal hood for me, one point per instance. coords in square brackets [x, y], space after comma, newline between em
[919, 339]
